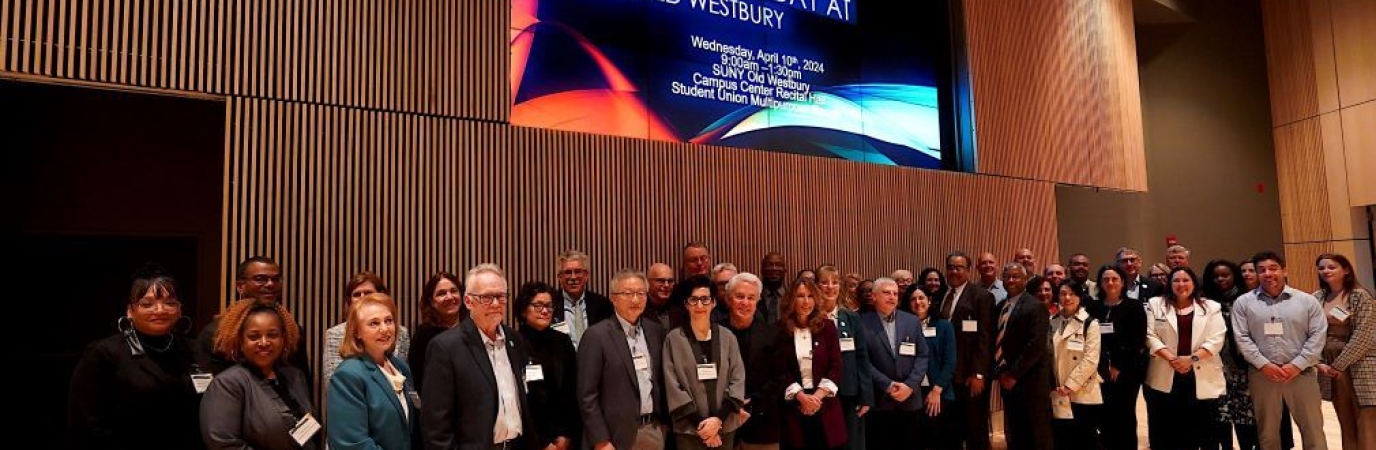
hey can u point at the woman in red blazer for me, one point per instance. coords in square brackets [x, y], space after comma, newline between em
[807, 340]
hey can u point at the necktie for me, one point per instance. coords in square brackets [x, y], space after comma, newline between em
[948, 305]
[1003, 322]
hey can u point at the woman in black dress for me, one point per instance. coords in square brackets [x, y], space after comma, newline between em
[441, 308]
[551, 376]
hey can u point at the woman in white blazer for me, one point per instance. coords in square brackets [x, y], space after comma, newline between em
[1076, 400]
[1185, 376]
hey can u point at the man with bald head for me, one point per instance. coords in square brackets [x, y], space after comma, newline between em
[1028, 260]
[658, 308]
[988, 268]
[697, 260]
[773, 269]
[1054, 272]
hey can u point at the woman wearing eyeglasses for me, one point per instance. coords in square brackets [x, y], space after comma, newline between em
[551, 374]
[704, 378]
[138, 388]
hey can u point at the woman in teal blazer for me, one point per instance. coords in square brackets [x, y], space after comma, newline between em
[371, 400]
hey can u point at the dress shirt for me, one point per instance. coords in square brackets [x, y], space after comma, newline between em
[635, 339]
[890, 325]
[576, 315]
[802, 345]
[1000, 294]
[1301, 316]
[508, 424]
[955, 292]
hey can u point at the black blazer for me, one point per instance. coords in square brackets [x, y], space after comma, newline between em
[553, 402]
[764, 384]
[974, 349]
[599, 307]
[459, 398]
[1146, 289]
[1125, 348]
[114, 396]
[1026, 349]
[608, 389]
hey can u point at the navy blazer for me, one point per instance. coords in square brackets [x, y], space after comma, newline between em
[855, 374]
[363, 410]
[887, 366]
[459, 396]
[608, 389]
[941, 363]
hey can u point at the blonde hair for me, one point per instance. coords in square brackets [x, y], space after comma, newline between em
[350, 345]
[229, 338]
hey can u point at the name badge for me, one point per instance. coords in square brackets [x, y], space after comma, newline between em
[707, 372]
[1274, 329]
[1132, 294]
[534, 372]
[1075, 345]
[201, 381]
[929, 332]
[1339, 313]
[907, 349]
[562, 327]
[305, 429]
[847, 344]
[414, 396]
[641, 362]
[969, 326]
[1105, 328]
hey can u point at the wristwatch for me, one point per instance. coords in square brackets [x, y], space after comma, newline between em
[1194, 358]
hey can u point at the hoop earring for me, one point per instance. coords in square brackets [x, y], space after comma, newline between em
[124, 325]
[189, 325]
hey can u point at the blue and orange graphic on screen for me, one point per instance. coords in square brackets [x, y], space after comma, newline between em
[836, 78]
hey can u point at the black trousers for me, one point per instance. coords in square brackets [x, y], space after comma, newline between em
[1177, 420]
[891, 430]
[1027, 415]
[1081, 432]
[1118, 429]
[935, 433]
[971, 417]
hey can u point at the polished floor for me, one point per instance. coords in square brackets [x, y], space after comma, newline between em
[1330, 428]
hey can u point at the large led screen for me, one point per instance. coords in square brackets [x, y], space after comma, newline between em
[851, 79]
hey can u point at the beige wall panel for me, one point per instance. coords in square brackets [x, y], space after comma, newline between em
[330, 191]
[443, 57]
[1302, 182]
[1354, 45]
[1359, 147]
[1056, 82]
[1337, 180]
[1290, 60]
[1325, 68]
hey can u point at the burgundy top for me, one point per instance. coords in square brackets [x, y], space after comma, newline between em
[1185, 323]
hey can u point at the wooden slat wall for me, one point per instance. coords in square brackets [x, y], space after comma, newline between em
[437, 57]
[1055, 91]
[1320, 57]
[329, 191]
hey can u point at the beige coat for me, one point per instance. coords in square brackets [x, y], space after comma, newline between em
[1208, 331]
[1077, 370]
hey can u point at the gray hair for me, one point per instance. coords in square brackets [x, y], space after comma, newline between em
[626, 273]
[747, 278]
[1014, 265]
[479, 270]
[724, 266]
[1118, 256]
[884, 280]
[1178, 249]
[572, 255]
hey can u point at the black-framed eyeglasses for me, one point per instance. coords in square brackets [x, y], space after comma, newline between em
[263, 280]
[488, 299]
[700, 301]
[639, 295]
[542, 307]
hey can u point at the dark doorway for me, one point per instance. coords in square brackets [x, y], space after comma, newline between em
[103, 181]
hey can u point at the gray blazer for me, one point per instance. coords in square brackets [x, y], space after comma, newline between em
[608, 391]
[681, 385]
[240, 410]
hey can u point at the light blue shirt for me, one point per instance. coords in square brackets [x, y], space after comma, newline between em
[1302, 322]
[575, 313]
[635, 339]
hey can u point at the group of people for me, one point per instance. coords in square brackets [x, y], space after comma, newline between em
[714, 357]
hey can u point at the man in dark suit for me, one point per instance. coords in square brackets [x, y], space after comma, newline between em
[898, 363]
[1137, 286]
[257, 279]
[620, 376]
[1023, 363]
[970, 309]
[764, 387]
[473, 397]
[576, 308]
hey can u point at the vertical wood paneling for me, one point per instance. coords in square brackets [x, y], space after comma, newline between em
[1289, 60]
[1359, 149]
[1302, 184]
[1055, 84]
[1354, 47]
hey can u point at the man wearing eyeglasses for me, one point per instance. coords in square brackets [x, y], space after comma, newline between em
[661, 279]
[257, 279]
[620, 384]
[1137, 286]
[473, 397]
[576, 308]
[697, 260]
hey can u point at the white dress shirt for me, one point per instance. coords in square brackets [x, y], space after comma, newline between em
[508, 424]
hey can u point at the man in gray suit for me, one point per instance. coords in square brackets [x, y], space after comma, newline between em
[620, 389]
